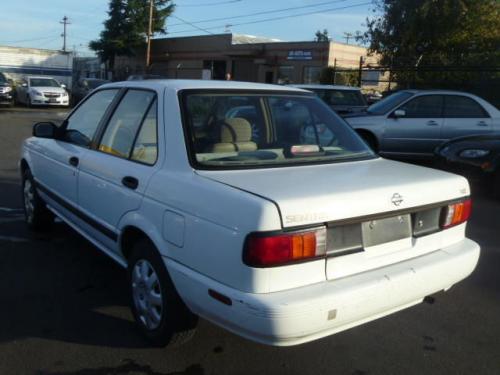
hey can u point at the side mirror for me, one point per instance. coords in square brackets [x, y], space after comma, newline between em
[24, 84]
[399, 113]
[44, 130]
[63, 85]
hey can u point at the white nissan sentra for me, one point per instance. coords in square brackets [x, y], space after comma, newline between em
[220, 203]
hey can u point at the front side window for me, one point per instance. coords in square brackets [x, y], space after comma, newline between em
[424, 107]
[462, 107]
[83, 123]
[389, 103]
[227, 130]
[119, 136]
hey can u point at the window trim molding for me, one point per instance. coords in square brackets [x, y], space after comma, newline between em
[114, 106]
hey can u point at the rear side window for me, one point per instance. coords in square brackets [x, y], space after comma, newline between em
[82, 124]
[424, 107]
[462, 107]
[120, 134]
[146, 145]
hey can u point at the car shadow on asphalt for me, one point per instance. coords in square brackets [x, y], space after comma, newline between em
[58, 286]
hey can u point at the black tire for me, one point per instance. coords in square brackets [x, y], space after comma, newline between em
[177, 324]
[370, 140]
[28, 101]
[37, 216]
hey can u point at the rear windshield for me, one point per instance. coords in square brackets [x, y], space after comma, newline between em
[43, 82]
[341, 97]
[230, 130]
[386, 104]
[2, 78]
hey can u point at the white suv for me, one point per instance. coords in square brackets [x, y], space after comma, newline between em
[236, 219]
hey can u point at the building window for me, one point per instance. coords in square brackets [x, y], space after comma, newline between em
[285, 74]
[312, 74]
[217, 68]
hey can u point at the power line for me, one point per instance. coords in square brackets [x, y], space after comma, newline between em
[28, 40]
[277, 18]
[207, 4]
[264, 12]
[192, 25]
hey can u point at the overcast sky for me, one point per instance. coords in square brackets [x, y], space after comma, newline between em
[35, 23]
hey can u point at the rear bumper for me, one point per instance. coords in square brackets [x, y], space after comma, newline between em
[304, 314]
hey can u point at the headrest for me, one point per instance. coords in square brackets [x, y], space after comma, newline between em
[235, 130]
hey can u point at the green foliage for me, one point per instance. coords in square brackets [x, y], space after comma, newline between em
[451, 44]
[322, 36]
[127, 25]
[327, 76]
[431, 32]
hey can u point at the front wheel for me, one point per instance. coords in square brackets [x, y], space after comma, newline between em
[158, 309]
[29, 104]
[37, 215]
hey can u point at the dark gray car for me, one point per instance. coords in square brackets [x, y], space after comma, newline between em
[342, 99]
[84, 86]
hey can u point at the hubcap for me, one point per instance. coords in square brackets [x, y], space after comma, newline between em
[146, 293]
[29, 205]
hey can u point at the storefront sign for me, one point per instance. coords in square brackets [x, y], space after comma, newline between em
[299, 55]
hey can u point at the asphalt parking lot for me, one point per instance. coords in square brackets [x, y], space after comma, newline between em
[64, 308]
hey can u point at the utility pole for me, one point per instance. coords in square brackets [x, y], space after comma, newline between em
[64, 22]
[348, 36]
[150, 34]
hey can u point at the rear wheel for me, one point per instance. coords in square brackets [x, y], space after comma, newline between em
[28, 101]
[158, 309]
[37, 215]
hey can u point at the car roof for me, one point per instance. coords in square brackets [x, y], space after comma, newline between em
[322, 87]
[437, 91]
[185, 84]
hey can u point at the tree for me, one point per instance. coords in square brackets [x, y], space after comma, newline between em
[423, 32]
[322, 36]
[126, 28]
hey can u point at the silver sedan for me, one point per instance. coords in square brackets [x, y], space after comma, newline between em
[413, 123]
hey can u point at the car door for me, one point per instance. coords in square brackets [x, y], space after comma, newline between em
[414, 128]
[464, 116]
[55, 162]
[115, 174]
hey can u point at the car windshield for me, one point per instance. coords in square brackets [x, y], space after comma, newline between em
[96, 83]
[228, 130]
[341, 97]
[44, 82]
[385, 105]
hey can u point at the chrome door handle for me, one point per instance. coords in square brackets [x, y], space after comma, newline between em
[432, 123]
[482, 123]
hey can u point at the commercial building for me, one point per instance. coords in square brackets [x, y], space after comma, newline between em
[19, 62]
[246, 58]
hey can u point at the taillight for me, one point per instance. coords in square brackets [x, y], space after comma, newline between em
[455, 214]
[262, 250]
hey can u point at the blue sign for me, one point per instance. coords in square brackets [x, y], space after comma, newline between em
[299, 55]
